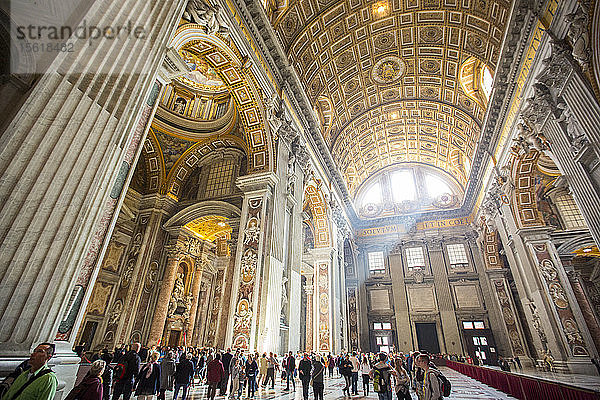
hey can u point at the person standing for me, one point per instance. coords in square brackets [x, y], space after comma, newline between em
[184, 373]
[107, 375]
[365, 368]
[90, 388]
[290, 369]
[346, 372]
[167, 374]
[263, 363]
[234, 374]
[272, 366]
[431, 385]
[226, 360]
[355, 368]
[318, 371]
[330, 364]
[126, 370]
[38, 382]
[148, 379]
[304, 372]
[518, 362]
[251, 372]
[401, 381]
[382, 377]
[214, 375]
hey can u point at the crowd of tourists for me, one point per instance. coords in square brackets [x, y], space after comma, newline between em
[152, 372]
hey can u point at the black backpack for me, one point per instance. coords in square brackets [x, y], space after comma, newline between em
[380, 382]
[445, 385]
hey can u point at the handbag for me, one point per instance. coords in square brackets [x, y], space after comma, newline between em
[312, 383]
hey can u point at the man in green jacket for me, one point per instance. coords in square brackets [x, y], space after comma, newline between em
[37, 382]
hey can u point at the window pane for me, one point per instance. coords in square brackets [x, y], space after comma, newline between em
[377, 326]
[487, 81]
[373, 194]
[384, 349]
[570, 212]
[378, 340]
[475, 341]
[457, 255]
[403, 185]
[385, 340]
[468, 325]
[436, 186]
[376, 264]
[479, 325]
[482, 355]
[415, 259]
[483, 341]
[387, 325]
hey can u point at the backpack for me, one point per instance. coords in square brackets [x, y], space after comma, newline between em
[120, 370]
[445, 385]
[380, 383]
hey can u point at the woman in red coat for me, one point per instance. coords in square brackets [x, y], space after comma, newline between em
[90, 388]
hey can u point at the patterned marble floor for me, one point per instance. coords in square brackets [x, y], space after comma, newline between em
[463, 387]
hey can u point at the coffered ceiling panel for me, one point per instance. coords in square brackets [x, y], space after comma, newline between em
[389, 73]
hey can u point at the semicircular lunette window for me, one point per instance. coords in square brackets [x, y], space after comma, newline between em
[405, 191]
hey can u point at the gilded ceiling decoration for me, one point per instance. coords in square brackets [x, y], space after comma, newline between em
[210, 227]
[391, 72]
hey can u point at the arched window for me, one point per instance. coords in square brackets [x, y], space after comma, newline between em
[373, 194]
[436, 186]
[487, 81]
[406, 189]
[403, 185]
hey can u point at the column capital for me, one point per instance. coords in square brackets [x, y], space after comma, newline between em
[265, 181]
[172, 66]
[322, 254]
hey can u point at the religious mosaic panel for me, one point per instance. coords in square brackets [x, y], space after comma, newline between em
[353, 317]
[555, 291]
[508, 316]
[244, 311]
[323, 299]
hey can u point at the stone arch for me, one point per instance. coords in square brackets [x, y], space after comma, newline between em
[313, 196]
[244, 89]
[203, 209]
[192, 156]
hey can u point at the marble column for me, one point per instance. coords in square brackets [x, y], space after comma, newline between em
[195, 290]
[250, 256]
[572, 338]
[175, 253]
[322, 329]
[565, 111]
[64, 159]
[451, 335]
[495, 313]
[401, 311]
[586, 307]
[309, 289]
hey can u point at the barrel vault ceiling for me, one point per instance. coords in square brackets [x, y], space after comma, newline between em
[384, 77]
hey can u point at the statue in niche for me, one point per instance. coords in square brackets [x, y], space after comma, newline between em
[579, 37]
[291, 175]
[179, 289]
[201, 13]
[179, 105]
[284, 299]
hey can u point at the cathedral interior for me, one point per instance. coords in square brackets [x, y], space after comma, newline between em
[290, 175]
